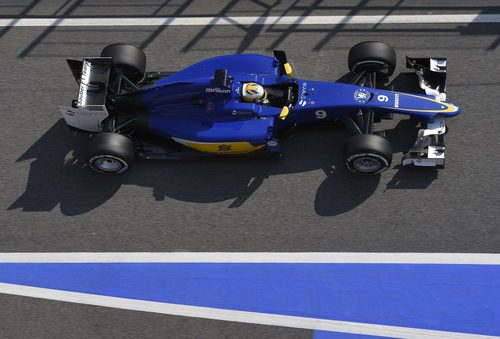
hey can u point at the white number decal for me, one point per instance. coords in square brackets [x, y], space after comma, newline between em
[320, 114]
[383, 98]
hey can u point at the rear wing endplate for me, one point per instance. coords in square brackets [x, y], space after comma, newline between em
[93, 81]
[89, 109]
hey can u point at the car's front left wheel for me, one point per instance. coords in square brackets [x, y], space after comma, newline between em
[372, 56]
[111, 153]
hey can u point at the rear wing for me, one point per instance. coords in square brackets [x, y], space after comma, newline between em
[92, 75]
[89, 109]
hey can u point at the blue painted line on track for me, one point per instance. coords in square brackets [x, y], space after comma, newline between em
[456, 298]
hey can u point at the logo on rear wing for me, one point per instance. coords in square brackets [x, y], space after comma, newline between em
[84, 118]
[93, 81]
[84, 82]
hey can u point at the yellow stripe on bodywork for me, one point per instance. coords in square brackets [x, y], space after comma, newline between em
[449, 107]
[238, 147]
[288, 69]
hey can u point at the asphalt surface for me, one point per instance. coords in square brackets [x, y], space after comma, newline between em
[306, 201]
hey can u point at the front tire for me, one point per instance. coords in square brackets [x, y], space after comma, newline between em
[111, 153]
[374, 56]
[367, 154]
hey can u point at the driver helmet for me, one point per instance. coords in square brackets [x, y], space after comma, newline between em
[252, 91]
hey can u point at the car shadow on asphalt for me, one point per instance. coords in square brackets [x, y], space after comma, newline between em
[402, 137]
[59, 175]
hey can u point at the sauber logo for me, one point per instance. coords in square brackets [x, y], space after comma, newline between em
[303, 90]
[84, 81]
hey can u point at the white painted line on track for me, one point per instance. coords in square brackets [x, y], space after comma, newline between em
[253, 257]
[255, 20]
[231, 315]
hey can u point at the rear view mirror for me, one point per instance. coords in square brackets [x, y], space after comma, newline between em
[220, 77]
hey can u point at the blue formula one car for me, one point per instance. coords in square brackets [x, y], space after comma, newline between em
[247, 104]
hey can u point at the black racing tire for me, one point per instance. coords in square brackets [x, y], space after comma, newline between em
[367, 154]
[111, 153]
[373, 56]
[128, 59]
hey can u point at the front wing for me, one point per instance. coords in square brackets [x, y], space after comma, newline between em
[429, 148]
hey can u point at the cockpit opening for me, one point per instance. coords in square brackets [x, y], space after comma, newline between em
[276, 95]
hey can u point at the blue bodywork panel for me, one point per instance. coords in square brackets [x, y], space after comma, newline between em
[337, 99]
[189, 106]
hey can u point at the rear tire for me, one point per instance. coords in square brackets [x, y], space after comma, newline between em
[372, 56]
[111, 153]
[367, 154]
[128, 59]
